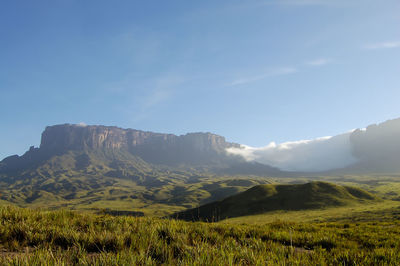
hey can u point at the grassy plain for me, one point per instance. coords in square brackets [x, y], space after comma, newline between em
[65, 237]
[169, 192]
[358, 234]
[375, 211]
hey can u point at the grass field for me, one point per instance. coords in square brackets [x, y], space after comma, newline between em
[64, 237]
[377, 211]
[160, 195]
[366, 233]
[163, 196]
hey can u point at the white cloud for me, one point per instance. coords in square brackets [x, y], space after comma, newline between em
[269, 73]
[319, 62]
[306, 155]
[81, 124]
[382, 45]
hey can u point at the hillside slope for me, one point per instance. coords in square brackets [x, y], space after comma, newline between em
[99, 167]
[264, 198]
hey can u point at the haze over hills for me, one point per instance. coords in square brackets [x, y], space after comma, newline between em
[374, 149]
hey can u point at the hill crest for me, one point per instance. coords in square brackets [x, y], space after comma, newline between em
[270, 197]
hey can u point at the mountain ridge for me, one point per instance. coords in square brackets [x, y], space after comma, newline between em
[156, 148]
[127, 169]
[97, 167]
[373, 149]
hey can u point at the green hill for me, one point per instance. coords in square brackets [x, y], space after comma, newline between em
[264, 198]
[100, 167]
[101, 180]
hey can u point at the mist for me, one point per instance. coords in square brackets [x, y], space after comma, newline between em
[305, 155]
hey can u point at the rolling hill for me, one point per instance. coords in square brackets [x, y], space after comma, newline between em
[265, 198]
[103, 167]
[99, 167]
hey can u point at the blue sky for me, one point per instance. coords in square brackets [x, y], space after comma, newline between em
[253, 71]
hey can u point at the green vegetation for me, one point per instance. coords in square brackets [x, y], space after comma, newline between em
[93, 193]
[358, 230]
[266, 198]
[65, 237]
[331, 224]
[94, 178]
[375, 211]
[384, 185]
[153, 193]
[102, 185]
[125, 183]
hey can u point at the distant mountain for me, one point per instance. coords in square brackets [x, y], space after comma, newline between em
[265, 198]
[202, 150]
[377, 148]
[99, 166]
[374, 149]
[156, 148]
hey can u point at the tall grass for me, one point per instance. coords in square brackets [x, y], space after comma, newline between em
[37, 237]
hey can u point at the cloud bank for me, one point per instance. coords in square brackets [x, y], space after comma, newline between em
[305, 155]
[383, 45]
[81, 124]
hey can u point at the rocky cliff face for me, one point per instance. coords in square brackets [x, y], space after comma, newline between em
[195, 148]
[112, 152]
[76, 137]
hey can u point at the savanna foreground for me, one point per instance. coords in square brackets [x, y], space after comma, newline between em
[64, 237]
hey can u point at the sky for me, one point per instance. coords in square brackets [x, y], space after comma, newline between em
[254, 71]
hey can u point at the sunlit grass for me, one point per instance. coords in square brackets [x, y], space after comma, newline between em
[64, 237]
[347, 213]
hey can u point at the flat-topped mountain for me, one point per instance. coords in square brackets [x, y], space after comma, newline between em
[374, 149]
[100, 166]
[193, 148]
[83, 165]
[111, 145]
[265, 198]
